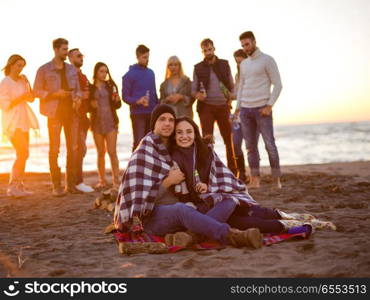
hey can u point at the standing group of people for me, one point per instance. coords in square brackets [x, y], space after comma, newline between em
[67, 97]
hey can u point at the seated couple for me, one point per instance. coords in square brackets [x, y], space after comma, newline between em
[175, 182]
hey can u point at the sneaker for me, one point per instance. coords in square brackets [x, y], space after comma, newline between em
[23, 189]
[84, 188]
[59, 192]
[306, 228]
[277, 183]
[251, 237]
[15, 192]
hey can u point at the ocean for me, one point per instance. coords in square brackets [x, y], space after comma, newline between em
[297, 144]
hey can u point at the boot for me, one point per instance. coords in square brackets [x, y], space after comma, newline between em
[251, 237]
[241, 168]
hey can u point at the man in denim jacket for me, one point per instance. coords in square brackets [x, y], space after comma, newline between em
[57, 87]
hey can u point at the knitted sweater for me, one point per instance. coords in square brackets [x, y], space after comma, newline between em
[257, 73]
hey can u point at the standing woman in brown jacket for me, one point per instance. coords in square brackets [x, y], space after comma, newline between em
[176, 89]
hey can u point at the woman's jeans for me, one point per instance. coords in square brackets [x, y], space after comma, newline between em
[179, 217]
[253, 122]
[266, 219]
[20, 142]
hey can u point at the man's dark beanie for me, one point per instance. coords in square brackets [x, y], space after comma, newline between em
[159, 110]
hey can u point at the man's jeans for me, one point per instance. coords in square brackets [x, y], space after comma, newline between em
[81, 128]
[180, 217]
[140, 127]
[252, 122]
[237, 138]
[55, 126]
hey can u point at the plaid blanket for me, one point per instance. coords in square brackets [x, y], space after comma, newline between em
[222, 184]
[148, 166]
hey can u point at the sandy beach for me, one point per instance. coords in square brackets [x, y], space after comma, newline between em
[44, 236]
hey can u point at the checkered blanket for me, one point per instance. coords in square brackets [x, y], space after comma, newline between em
[148, 166]
[222, 184]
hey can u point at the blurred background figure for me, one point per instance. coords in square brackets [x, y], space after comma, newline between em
[104, 101]
[17, 119]
[57, 86]
[81, 122]
[176, 89]
[239, 56]
[139, 92]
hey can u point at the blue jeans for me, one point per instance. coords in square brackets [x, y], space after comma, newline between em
[140, 127]
[80, 127]
[252, 122]
[237, 138]
[55, 126]
[179, 217]
[266, 219]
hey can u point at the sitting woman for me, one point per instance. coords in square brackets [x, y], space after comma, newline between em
[209, 181]
[176, 89]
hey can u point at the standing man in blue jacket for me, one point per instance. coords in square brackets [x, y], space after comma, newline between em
[139, 91]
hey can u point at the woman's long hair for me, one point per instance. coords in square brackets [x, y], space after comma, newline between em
[11, 61]
[202, 149]
[239, 53]
[174, 59]
[110, 81]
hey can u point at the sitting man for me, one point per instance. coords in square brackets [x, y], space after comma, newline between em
[146, 203]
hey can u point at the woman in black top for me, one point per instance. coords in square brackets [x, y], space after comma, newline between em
[198, 162]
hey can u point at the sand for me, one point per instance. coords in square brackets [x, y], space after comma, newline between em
[62, 237]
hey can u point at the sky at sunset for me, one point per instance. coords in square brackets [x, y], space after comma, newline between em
[321, 47]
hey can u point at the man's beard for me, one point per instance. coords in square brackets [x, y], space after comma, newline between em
[210, 57]
[78, 64]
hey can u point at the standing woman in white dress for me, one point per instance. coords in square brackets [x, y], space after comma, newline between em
[17, 119]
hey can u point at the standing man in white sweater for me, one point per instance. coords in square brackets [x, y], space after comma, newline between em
[255, 100]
